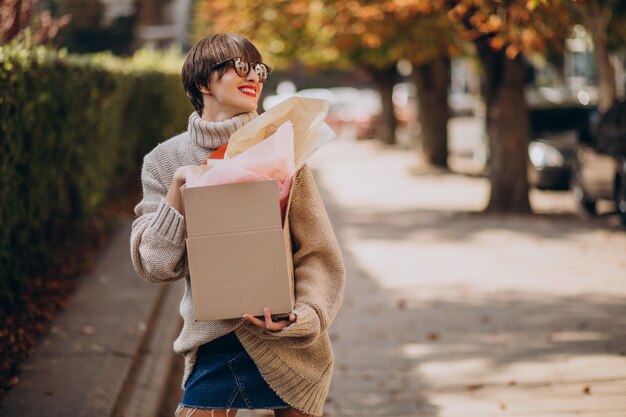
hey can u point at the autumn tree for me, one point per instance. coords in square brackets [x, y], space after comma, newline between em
[377, 34]
[23, 20]
[283, 30]
[372, 35]
[430, 56]
[359, 38]
[314, 32]
[504, 32]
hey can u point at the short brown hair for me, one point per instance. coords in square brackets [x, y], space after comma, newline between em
[205, 54]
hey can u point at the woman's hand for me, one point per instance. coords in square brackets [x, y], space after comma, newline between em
[174, 196]
[269, 324]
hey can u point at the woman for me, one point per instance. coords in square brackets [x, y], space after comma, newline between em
[284, 365]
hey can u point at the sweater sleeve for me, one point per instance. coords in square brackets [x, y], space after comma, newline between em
[157, 242]
[319, 272]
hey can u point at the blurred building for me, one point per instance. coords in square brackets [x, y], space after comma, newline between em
[579, 67]
[162, 23]
[122, 26]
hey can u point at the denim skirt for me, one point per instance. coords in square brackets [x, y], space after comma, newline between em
[224, 376]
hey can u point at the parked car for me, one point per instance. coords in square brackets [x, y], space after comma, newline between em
[599, 170]
[554, 132]
[550, 160]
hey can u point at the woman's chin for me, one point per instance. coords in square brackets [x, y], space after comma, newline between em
[249, 107]
[242, 106]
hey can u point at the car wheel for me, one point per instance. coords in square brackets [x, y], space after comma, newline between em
[584, 202]
[620, 199]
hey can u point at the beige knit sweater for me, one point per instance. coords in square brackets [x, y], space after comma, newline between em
[296, 361]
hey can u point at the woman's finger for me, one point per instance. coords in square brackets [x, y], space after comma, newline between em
[254, 320]
[271, 324]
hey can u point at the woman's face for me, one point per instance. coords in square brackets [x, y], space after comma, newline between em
[233, 94]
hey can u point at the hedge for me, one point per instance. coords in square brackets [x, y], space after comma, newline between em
[73, 132]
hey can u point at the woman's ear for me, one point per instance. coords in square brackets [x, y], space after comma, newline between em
[204, 89]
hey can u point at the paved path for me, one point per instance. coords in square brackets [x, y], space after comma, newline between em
[109, 353]
[452, 313]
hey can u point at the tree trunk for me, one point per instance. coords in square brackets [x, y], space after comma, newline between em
[597, 21]
[16, 15]
[507, 128]
[432, 81]
[385, 79]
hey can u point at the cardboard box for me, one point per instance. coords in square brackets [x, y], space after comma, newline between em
[239, 253]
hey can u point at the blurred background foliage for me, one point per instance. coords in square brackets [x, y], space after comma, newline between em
[74, 130]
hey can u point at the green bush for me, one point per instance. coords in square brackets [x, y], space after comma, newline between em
[73, 132]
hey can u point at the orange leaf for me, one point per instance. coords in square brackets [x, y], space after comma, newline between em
[511, 52]
[496, 43]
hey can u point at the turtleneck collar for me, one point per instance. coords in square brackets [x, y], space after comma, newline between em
[212, 135]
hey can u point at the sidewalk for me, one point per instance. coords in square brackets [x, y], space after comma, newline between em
[446, 313]
[452, 313]
[109, 353]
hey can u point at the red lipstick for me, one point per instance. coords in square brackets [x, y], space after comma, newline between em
[248, 90]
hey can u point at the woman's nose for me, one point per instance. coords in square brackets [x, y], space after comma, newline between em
[252, 76]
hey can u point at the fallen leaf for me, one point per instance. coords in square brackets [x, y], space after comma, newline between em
[44, 295]
[14, 381]
[433, 336]
[89, 330]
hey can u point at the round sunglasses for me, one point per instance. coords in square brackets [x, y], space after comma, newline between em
[242, 68]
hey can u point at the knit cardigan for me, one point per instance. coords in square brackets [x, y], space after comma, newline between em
[297, 361]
